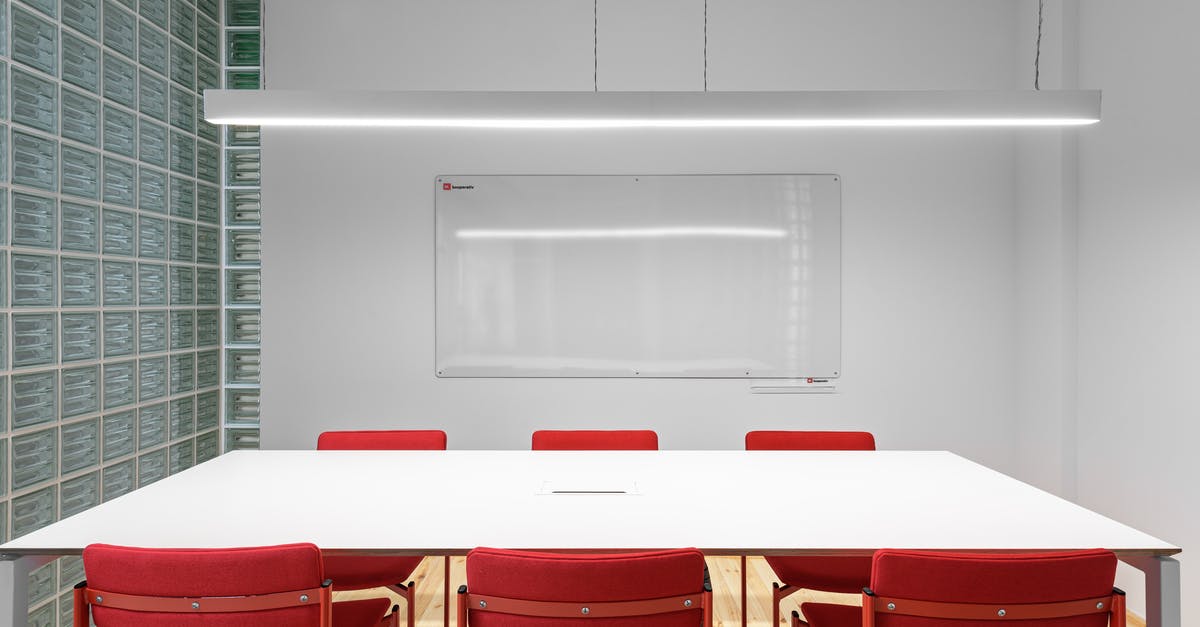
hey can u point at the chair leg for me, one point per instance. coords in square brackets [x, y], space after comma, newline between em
[796, 621]
[777, 593]
[446, 592]
[409, 592]
[743, 591]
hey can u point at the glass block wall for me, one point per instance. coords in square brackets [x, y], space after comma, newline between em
[243, 231]
[110, 258]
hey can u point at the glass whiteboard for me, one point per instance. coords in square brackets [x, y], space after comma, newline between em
[729, 276]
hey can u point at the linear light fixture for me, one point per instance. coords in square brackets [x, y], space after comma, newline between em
[659, 232]
[611, 110]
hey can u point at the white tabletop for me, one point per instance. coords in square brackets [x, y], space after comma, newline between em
[723, 502]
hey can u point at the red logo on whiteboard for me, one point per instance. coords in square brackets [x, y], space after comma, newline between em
[445, 187]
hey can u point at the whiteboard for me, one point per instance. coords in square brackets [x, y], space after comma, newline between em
[729, 276]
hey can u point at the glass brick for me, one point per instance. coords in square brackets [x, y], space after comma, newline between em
[208, 245]
[80, 118]
[243, 48]
[243, 248]
[81, 440]
[182, 107]
[152, 284]
[70, 569]
[243, 207]
[118, 479]
[80, 336]
[207, 328]
[243, 136]
[81, 395]
[243, 79]
[152, 237]
[80, 173]
[208, 286]
[34, 511]
[48, 7]
[3, 226]
[152, 331]
[204, 130]
[42, 585]
[208, 162]
[120, 131]
[120, 182]
[152, 378]
[3, 291]
[242, 13]
[208, 369]
[81, 63]
[34, 42]
[207, 447]
[243, 326]
[34, 281]
[83, 16]
[152, 190]
[183, 154]
[242, 366]
[181, 456]
[183, 21]
[152, 48]
[183, 241]
[152, 466]
[241, 439]
[183, 373]
[34, 339]
[79, 494]
[119, 384]
[243, 168]
[120, 29]
[35, 161]
[3, 83]
[183, 198]
[182, 282]
[34, 101]
[155, 11]
[119, 80]
[119, 333]
[183, 65]
[119, 283]
[3, 357]
[34, 458]
[208, 204]
[34, 220]
[79, 282]
[208, 76]
[118, 232]
[152, 144]
[183, 419]
[207, 410]
[3, 477]
[210, 8]
[152, 95]
[243, 287]
[183, 330]
[119, 435]
[34, 398]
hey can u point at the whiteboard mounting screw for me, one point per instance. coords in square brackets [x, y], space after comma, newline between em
[1001, 613]
[891, 606]
[304, 598]
[584, 611]
[687, 602]
[195, 605]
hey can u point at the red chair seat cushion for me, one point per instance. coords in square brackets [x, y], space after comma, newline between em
[355, 572]
[362, 613]
[382, 440]
[830, 574]
[831, 615]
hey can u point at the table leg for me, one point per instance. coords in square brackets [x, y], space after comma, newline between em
[1163, 599]
[14, 587]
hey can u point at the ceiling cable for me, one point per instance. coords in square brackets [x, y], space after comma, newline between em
[705, 45]
[595, 45]
[1037, 57]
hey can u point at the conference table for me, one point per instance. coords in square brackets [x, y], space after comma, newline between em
[722, 502]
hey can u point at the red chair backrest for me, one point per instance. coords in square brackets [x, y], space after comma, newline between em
[587, 578]
[203, 573]
[595, 440]
[810, 441]
[993, 579]
[391, 440]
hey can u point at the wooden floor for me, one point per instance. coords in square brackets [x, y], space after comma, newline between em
[725, 573]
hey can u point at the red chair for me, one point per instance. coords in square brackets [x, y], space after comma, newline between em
[923, 589]
[594, 440]
[358, 572]
[828, 574]
[273, 586]
[526, 589]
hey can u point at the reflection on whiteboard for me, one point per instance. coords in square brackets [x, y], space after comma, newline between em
[638, 276]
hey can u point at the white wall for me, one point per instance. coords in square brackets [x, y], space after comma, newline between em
[929, 272]
[1139, 251]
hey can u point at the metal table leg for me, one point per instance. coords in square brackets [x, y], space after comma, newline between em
[1163, 598]
[14, 587]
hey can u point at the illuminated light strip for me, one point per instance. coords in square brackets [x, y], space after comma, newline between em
[663, 123]
[642, 233]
